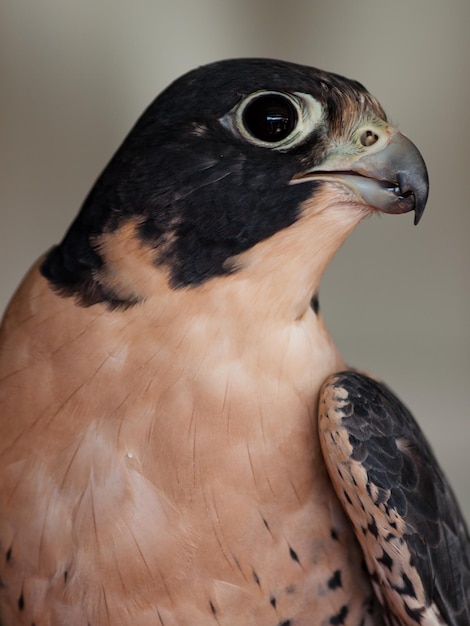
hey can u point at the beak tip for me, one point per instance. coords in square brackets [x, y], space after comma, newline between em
[421, 198]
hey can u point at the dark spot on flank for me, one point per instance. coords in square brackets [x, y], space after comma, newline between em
[386, 560]
[256, 578]
[315, 304]
[372, 527]
[266, 524]
[335, 580]
[415, 614]
[346, 497]
[286, 622]
[273, 601]
[371, 605]
[334, 534]
[293, 555]
[21, 602]
[291, 589]
[374, 576]
[65, 577]
[339, 618]
[408, 588]
[8, 555]
[213, 611]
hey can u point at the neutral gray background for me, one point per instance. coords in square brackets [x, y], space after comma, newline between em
[76, 74]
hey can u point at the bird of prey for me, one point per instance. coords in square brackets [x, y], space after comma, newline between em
[181, 443]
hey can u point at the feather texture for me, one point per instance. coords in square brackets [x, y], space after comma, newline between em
[402, 508]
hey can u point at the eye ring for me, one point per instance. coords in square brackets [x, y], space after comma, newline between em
[274, 119]
[270, 117]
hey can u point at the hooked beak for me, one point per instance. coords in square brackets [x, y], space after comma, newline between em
[388, 175]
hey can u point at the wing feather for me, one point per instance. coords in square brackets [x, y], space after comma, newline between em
[405, 515]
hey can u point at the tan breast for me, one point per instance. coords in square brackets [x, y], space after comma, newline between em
[160, 465]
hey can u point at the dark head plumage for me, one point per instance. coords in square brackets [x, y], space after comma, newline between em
[200, 190]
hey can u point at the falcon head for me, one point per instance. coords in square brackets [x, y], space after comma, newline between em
[236, 162]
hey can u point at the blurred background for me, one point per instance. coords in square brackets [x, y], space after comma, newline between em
[75, 75]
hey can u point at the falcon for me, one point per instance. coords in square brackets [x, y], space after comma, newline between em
[181, 443]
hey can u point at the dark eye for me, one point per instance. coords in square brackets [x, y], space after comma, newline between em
[275, 120]
[270, 117]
